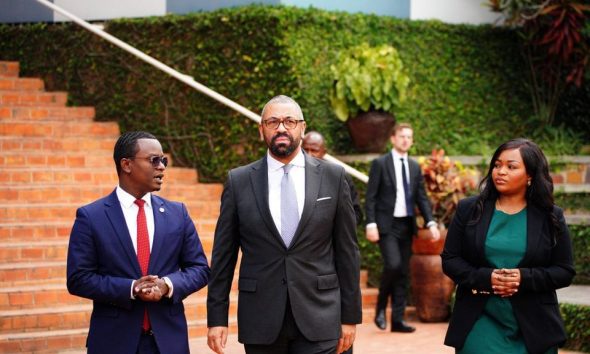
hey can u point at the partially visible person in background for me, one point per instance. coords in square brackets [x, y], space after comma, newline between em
[315, 145]
[508, 250]
[396, 187]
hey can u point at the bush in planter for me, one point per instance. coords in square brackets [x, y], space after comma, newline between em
[446, 183]
[368, 78]
[373, 80]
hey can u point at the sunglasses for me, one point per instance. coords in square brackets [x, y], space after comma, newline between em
[154, 160]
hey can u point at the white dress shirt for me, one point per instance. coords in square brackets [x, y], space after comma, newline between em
[275, 175]
[130, 210]
[400, 210]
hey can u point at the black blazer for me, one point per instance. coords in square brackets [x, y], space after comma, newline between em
[381, 192]
[546, 266]
[319, 272]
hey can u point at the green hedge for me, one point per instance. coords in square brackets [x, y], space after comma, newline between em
[577, 325]
[466, 94]
[580, 235]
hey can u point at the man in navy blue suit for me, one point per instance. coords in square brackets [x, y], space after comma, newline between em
[137, 256]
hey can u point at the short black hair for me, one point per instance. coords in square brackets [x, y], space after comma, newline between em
[126, 146]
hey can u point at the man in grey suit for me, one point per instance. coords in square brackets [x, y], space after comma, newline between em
[395, 187]
[291, 215]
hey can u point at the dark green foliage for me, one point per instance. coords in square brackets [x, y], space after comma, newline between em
[580, 235]
[573, 202]
[577, 325]
[466, 92]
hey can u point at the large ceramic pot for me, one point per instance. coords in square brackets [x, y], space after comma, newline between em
[370, 131]
[431, 289]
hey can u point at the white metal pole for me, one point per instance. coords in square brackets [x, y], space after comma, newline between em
[189, 80]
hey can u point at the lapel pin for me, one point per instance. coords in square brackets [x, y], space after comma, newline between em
[161, 210]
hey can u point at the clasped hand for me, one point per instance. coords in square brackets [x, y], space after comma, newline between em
[150, 288]
[505, 282]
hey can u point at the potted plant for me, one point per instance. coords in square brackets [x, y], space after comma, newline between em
[369, 83]
[446, 183]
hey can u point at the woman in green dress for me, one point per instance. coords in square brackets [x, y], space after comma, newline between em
[508, 250]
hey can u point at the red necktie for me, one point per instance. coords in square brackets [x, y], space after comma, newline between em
[143, 250]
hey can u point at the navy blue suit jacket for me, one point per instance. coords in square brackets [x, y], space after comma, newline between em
[102, 264]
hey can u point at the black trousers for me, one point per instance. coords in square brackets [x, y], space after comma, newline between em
[292, 341]
[396, 249]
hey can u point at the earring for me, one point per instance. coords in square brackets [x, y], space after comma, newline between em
[528, 183]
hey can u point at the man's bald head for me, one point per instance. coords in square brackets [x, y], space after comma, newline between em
[314, 144]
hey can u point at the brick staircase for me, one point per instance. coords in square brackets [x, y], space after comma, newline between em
[54, 159]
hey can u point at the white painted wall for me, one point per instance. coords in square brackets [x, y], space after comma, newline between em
[108, 9]
[453, 11]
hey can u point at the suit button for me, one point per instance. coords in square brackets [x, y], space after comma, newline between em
[283, 281]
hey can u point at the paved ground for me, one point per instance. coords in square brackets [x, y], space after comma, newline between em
[427, 339]
[575, 294]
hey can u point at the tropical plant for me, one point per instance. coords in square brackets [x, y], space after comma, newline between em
[556, 47]
[368, 78]
[446, 183]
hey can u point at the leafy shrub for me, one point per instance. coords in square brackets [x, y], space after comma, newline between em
[577, 325]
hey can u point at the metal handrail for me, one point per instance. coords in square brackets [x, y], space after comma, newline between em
[187, 79]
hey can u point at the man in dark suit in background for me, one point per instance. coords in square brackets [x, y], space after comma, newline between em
[395, 186]
[292, 217]
[315, 145]
[137, 256]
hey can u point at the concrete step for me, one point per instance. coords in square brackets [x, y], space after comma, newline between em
[40, 113]
[35, 230]
[32, 273]
[79, 176]
[27, 231]
[9, 69]
[74, 340]
[33, 251]
[44, 342]
[57, 159]
[56, 250]
[21, 84]
[12, 212]
[37, 296]
[33, 98]
[9, 144]
[82, 194]
[78, 316]
[59, 129]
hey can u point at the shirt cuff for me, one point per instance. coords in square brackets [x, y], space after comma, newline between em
[431, 223]
[132, 285]
[371, 225]
[170, 287]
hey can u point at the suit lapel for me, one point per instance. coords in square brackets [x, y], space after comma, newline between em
[414, 169]
[390, 169]
[160, 216]
[117, 220]
[312, 188]
[534, 228]
[481, 230]
[259, 181]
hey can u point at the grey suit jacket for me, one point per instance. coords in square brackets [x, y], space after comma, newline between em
[381, 192]
[318, 274]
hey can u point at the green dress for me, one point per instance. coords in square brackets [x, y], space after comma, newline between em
[496, 331]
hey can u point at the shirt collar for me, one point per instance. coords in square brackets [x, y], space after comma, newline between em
[397, 155]
[274, 165]
[127, 200]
